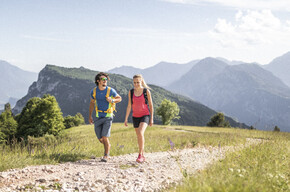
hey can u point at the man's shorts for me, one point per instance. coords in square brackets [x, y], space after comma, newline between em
[103, 126]
[138, 120]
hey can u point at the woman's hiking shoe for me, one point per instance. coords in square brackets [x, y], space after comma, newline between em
[140, 159]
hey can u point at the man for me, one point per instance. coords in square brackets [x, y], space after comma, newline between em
[103, 99]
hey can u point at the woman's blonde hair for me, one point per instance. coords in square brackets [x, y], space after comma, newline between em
[142, 80]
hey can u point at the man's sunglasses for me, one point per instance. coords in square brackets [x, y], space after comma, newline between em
[104, 79]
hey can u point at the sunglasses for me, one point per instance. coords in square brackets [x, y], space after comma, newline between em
[104, 79]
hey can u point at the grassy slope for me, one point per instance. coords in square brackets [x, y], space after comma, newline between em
[258, 168]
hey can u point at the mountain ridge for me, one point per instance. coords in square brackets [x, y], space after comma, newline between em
[71, 87]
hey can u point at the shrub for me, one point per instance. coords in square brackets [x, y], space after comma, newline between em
[276, 128]
[70, 121]
[218, 120]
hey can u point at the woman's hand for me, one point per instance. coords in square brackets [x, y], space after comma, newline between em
[126, 123]
[151, 122]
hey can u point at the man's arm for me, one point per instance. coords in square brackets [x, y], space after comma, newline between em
[91, 109]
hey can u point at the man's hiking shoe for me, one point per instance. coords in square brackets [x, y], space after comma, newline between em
[140, 159]
[105, 158]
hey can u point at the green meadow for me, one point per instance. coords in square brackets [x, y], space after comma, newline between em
[261, 167]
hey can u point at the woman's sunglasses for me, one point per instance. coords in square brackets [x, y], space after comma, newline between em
[104, 79]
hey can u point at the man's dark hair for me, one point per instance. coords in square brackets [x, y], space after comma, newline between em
[99, 75]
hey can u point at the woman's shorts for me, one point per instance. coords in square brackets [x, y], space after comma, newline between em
[138, 120]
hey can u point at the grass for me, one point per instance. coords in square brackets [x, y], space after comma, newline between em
[262, 167]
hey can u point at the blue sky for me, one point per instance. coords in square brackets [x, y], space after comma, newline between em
[103, 34]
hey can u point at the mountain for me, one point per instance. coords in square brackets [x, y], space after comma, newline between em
[127, 71]
[280, 67]
[230, 62]
[247, 92]
[14, 83]
[161, 74]
[71, 87]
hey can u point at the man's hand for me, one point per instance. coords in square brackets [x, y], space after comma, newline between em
[90, 120]
[109, 99]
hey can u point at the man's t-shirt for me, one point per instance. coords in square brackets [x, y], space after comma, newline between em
[102, 103]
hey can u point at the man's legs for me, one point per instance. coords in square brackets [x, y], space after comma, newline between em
[105, 137]
[107, 146]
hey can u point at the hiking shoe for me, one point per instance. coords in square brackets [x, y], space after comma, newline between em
[104, 159]
[140, 159]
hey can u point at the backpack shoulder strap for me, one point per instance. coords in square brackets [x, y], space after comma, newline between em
[94, 93]
[145, 95]
[131, 94]
[108, 92]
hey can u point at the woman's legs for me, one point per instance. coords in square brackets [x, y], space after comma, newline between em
[140, 136]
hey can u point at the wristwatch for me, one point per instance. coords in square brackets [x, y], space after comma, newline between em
[113, 101]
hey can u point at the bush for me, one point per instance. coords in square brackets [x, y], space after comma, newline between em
[276, 128]
[40, 116]
[218, 120]
[70, 121]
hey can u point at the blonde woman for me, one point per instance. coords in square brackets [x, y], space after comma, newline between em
[138, 100]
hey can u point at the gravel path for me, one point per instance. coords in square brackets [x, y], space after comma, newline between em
[120, 173]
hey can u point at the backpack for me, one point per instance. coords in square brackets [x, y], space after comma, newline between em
[112, 106]
[144, 93]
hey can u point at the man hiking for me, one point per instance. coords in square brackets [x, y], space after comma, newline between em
[103, 99]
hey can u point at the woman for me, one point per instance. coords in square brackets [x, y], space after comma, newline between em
[138, 98]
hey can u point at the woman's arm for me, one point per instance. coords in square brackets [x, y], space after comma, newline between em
[150, 107]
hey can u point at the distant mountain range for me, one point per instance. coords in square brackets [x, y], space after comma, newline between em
[281, 68]
[71, 87]
[255, 94]
[161, 74]
[248, 92]
[14, 83]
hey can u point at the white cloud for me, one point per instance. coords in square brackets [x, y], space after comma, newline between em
[251, 28]
[41, 38]
[242, 4]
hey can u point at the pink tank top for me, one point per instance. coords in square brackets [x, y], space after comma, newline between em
[139, 106]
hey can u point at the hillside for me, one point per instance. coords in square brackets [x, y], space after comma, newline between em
[246, 91]
[14, 83]
[280, 67]
[71, 87]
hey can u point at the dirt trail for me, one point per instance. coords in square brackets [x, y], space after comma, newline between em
[120, 173]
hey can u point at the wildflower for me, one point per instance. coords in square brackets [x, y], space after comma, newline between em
[231, 169]
[171, 143]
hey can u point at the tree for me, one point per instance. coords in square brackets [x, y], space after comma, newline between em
[276, 128]
[218, 120]
[8, 125]
[168, 111]
[40, 116]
